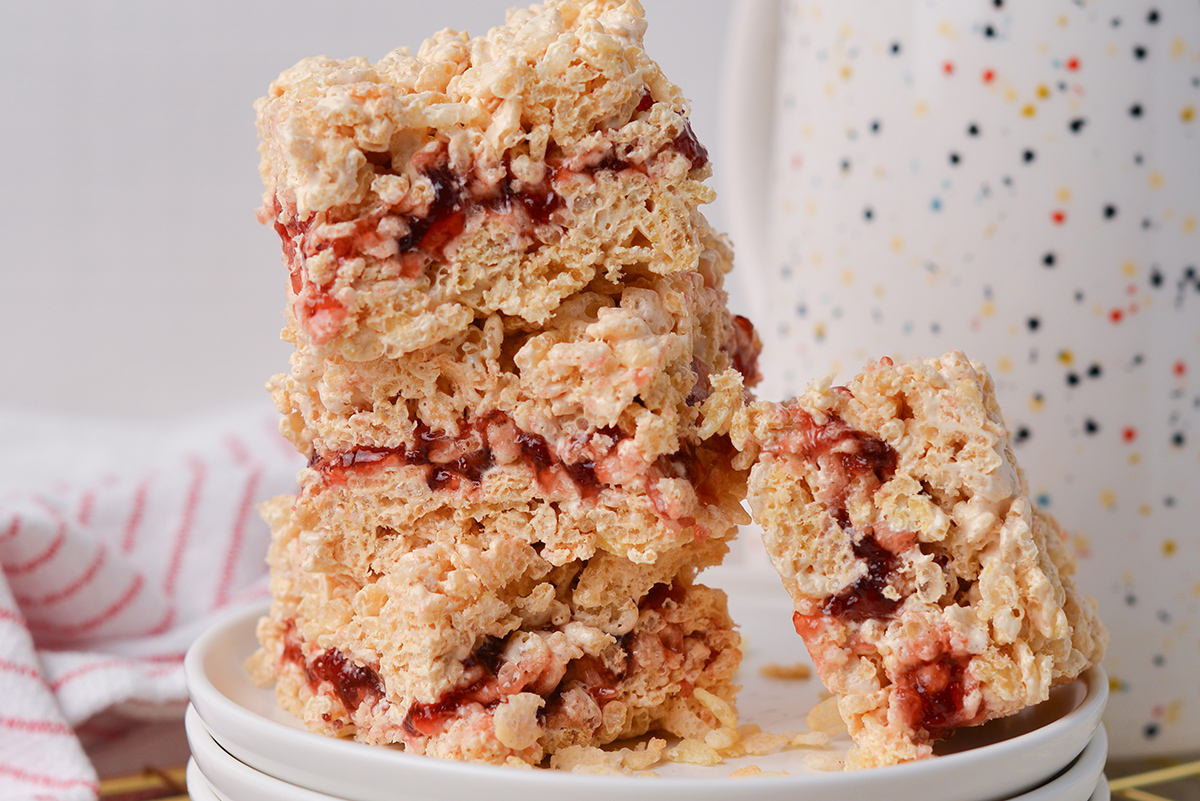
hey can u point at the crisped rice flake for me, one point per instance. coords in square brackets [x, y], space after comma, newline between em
[797, 670]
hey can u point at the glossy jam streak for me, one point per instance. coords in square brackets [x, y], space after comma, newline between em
[538, 201]
[453, 203]
[353, 683]
[743, 349]
[291, 645]
[867, 455]
[689, 146]
[427, 719]
[288, 232]
[471, 467]
[864, 599]
[933, 693]
[445, 217]
[584, 476]
[487, 654]
[535, 449]
[856, 453]
[467, 467]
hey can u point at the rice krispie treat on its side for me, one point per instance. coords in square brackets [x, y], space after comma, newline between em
[930, 592]
[514, 378]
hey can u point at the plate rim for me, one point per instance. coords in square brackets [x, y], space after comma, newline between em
[205, 694]
[1089, 763]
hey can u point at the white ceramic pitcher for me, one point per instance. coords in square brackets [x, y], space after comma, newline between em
[1018, 179]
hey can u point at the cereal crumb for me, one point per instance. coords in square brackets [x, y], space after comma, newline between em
[643, 755]
[722, 739]
[723, 710]
[762, 743]
[694, 752]
[797, 670]
[825, 717]
[754, 771]
[586, 759]
[810, 739]
[619, 762]
[823, 760]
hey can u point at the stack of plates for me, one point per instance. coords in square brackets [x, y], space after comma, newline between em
[245, 749]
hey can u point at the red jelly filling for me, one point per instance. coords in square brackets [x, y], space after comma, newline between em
[932, 694]
[865, 599]
[352, 683]
[469, 466]
[743, 349]
[428, 719]
[455, 199]
[689, 146]
[446, 216]
[856, 453]
[482, 665]
[846, 455]
[589, 672]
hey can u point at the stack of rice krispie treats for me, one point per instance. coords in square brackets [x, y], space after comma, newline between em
[514, 376]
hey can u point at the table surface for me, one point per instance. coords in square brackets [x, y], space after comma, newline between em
[1184, 789]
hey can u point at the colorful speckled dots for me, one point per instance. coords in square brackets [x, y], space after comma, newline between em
[1019, 179]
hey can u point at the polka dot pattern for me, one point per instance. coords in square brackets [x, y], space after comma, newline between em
[1019, 180]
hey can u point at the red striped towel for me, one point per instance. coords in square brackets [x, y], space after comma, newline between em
[119, 543]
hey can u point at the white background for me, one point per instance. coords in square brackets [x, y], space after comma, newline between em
[135, 281]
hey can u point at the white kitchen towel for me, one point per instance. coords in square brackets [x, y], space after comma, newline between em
[119, 543]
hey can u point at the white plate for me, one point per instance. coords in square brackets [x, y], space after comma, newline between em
[197, 785]
[231, 780]
[1080, 782]
[998, 760]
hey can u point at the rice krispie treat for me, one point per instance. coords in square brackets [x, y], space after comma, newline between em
[505, 173]
[514, 378]
[608, 412]
[930, 592]
[475, 647]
